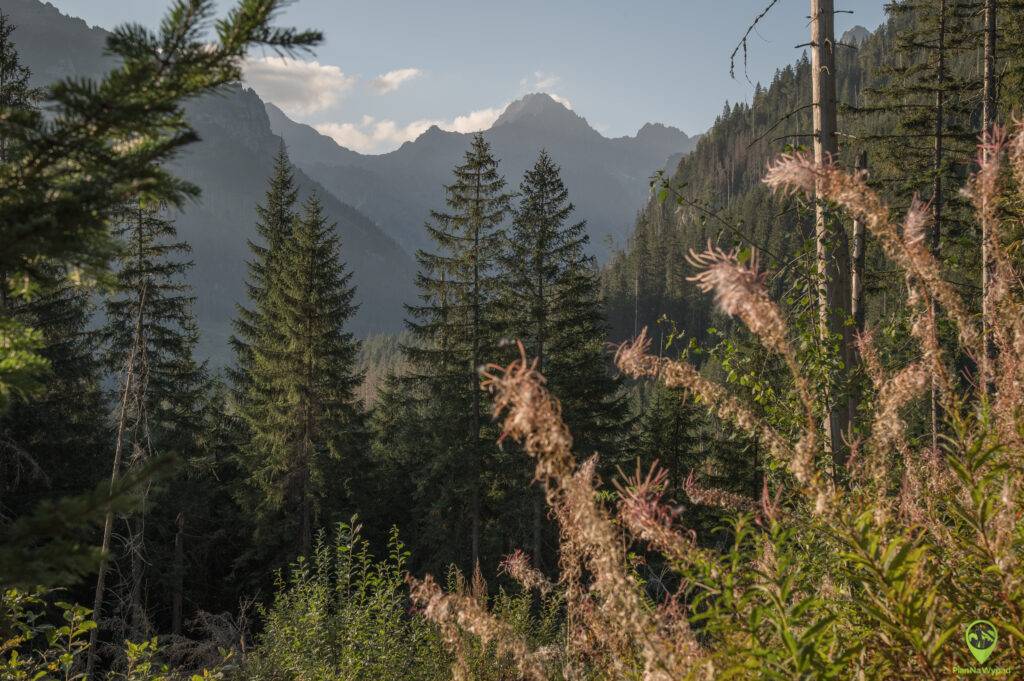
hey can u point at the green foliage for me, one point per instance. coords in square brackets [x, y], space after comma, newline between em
[43, 640]
[455, 329]
[341, 614]
[151, 332]
[550, 302]
[68, 173]
[296, 376]
[101, 145]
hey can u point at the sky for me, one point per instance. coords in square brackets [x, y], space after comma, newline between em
[389, 69]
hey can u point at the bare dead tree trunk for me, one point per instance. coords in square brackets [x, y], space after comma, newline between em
[859, 247]
[832, 248]
[988, 119]
[115, 475]
[137, 621]
[937, 202]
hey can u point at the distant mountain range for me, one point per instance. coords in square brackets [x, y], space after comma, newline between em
[608, 179]
[379, 202]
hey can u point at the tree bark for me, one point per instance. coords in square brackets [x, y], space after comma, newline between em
[115, 476]
[832, 248]
[936, 235]
[857, 311]
[988, 119]
[474, 430]
[538, 494]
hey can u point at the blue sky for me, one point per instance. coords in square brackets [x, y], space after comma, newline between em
[390, 68]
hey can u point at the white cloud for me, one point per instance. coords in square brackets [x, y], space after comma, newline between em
[390, 81]
[541, 81]
[299, 87]
[561, 100]
[372, 136]
[545, 81]
[481, 119]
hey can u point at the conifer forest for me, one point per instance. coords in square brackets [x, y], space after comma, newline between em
[505, 397]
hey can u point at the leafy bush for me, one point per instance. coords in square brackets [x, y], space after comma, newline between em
[40, 641]
[341, 615]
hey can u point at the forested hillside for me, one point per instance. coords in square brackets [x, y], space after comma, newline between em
[779, 435]
[715, 193]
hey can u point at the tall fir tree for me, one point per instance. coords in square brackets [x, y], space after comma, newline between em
[50, 443]
[455, 329]
[275, 219]
[150, 335]
[934, 100]
[17, 97]
[307, 428]
[669, 431]
[551, 302]
[16, 94]
[37, 433]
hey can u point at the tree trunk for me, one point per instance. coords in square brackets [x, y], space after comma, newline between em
[115, 476]
[988, 119]
[859, 247]
[177, 597]
[538, 494]
[832, 249]
[936, 235]
[137, 621]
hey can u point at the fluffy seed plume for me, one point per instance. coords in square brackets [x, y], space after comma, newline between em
[454, 612]
[517, 566]
[643, 510]
[739, 292]
[533, 418]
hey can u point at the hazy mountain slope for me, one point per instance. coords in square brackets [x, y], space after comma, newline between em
[231, 164]
[607, 178]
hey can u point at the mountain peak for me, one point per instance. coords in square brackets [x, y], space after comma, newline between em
[541, 110]
[855, 36]
[660, 131]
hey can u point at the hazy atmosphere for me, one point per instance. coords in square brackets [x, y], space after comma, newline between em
[518, 341]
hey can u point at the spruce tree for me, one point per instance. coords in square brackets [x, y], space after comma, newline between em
[39, 431]
[455, 330]
[15, 92]
[668, 431]
[16, 97]
[152, 294]
[274, 227]
[310, 422]
[149, 335]
[551, 302]
[52, 443]
[934, 101]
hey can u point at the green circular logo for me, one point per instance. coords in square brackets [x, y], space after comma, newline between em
[981, 637]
